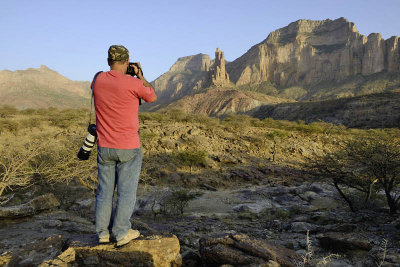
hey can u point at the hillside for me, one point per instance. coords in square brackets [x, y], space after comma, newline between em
[42, 88]
[202, 177]
[221, 101]
[380, 110]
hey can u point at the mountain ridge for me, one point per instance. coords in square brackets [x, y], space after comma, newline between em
[42, 88]
[305, 60]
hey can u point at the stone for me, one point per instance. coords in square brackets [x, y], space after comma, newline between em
[32, 254]
[149, 251]
[308, 195]
[5, 259]
[64, 259]
[240, 249]
[218, 75]
[324, 203]
[40, 203]
[302, 227]
[343, 241]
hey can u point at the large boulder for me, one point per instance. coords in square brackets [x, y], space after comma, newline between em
[240, 249]
[145, 251]
[337, 241]
[40, 203]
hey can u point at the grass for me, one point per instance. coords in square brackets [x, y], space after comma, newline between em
[200, 149]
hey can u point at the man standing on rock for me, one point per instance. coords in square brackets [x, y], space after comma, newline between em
[119, 154]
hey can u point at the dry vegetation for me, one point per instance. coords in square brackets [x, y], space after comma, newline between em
[39, 148]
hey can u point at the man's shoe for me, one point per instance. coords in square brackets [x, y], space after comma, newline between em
[103, 240]
[132, 234]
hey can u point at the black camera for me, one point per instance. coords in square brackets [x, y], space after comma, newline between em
[130, 70]
[88, 144]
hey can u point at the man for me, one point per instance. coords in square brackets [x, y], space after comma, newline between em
[119, 158]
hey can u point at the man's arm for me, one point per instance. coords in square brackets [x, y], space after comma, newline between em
[139, 74]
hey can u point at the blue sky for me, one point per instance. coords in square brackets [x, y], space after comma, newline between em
[72, 37]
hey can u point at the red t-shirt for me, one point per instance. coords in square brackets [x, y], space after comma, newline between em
[116, 101]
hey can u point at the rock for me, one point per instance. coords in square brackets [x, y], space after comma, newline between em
[5, 259]
[324, 203]
[191, 258]
[145, 251]
[44, 202]
[208, 187]
[240, 249]
[33, 254]
[302, 227]
[65, 258]
[343, 241]
[218, 76]
[308, 195]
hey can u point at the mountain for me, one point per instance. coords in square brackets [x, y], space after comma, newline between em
[312, 54]
[306, 60]
[42, 88]
[183, 78]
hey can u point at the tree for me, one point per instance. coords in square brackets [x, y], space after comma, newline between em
[366, 165]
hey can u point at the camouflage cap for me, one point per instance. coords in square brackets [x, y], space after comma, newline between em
[118, 53]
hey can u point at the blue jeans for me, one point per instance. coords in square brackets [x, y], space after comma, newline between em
[116, 168]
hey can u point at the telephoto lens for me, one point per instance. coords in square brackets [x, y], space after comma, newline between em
[88, 144]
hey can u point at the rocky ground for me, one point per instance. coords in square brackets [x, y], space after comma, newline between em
[276, 213]
[253, 202]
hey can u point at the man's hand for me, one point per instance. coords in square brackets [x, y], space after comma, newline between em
[137, 69]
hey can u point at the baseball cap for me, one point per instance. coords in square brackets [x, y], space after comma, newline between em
[118, 53]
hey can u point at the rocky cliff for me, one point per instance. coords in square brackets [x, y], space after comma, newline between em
[42, 88]
[184, 77]
[306, 60]
[218, 76]
[309, 52]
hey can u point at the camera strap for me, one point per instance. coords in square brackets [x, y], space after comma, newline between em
[91, 100]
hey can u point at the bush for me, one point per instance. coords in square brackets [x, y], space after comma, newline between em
[174, 202]
[191, 158]
[237, 122]
[7, 111]
[9, 125]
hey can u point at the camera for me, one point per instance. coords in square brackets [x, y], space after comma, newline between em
[130, 70]
[88, 144]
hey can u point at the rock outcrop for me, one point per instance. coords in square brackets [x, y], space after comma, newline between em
[184, 77]
[217, 75]
[310, 52]
[242, 250]
[150, 251]
[44, 202]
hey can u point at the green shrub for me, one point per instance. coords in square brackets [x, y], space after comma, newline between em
[9, 125]
[176, 201]
[280, 134]
[237, 122]
[191, 158]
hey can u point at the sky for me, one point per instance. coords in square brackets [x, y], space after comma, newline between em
[72, 37]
